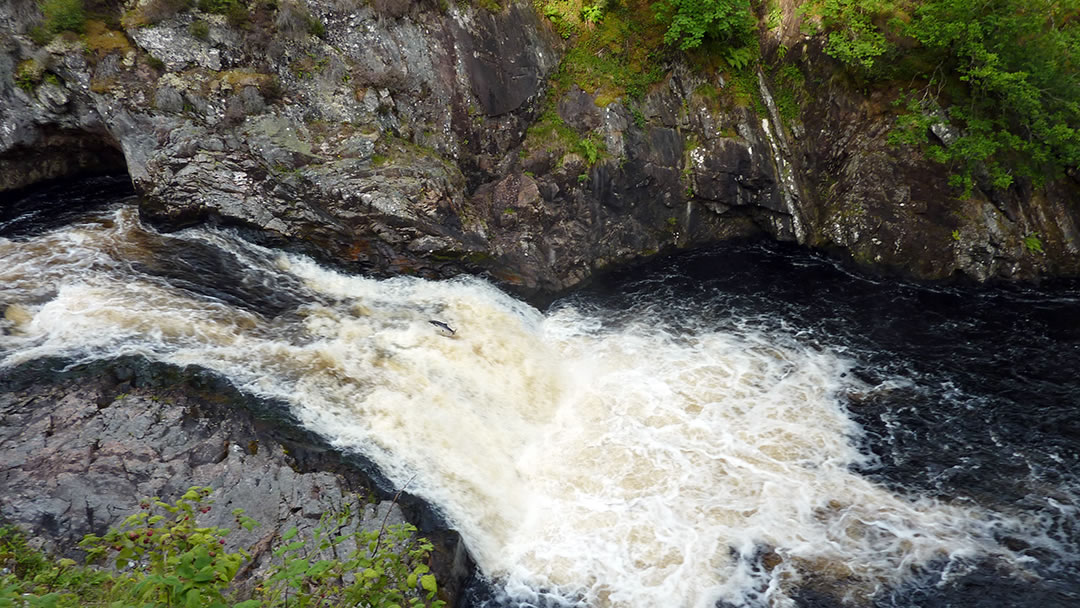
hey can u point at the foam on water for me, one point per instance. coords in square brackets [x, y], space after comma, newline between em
[608, 464]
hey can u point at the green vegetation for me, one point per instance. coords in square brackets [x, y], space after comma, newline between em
[1033, 243]
[550, 133]
[591, 149]
[160, 557]
[28, 74]
[996, 80]
[235, 11]
[155, 63]
[101, 41]
[316, 28]
[744, 88]
[61, 16]
[620, 48]
[1001, 75]
[491, 6]
[853, 38]
[790, 91]
[690, 22]
[200, 29]
[617, 47]
[309, 65]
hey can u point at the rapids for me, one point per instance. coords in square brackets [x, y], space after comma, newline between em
[717, 429]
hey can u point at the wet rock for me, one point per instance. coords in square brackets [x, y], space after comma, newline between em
[578, 110]
[504, 56]
[732, 172]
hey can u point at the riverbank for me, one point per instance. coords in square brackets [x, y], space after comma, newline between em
[82, 447]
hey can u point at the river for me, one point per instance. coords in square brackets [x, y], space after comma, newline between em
[746, 426]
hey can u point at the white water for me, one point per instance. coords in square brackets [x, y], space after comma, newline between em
[613, 464]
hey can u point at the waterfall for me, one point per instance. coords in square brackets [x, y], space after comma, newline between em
[625, 457]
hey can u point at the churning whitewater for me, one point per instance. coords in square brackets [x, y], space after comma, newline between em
[595, 457]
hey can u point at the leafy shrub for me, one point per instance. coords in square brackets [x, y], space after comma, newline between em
[167, 560]
[591, 149]
[592, 13]
[366, 576]
[999, 74]
[853, 37]
[161, 557]
[32, 578]
[738, 58]
[690, 22]
[63, 16]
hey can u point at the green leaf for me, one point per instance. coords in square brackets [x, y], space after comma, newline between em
[205, 575]
[320, 566]
[185, 571]
[427, 582]
[46, 601]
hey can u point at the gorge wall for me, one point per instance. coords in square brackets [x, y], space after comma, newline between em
[427, 139]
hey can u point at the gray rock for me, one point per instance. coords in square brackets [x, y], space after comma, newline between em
[252, 100]
[503, 55]
[167, 99]
[173, 45]
[578, 110]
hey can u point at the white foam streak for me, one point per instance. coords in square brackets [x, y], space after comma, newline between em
[619, 466]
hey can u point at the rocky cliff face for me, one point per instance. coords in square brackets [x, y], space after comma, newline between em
[889, 209]
[401, 137]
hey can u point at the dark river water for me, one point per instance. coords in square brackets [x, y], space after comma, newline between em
[751, 425]
[981, 399]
